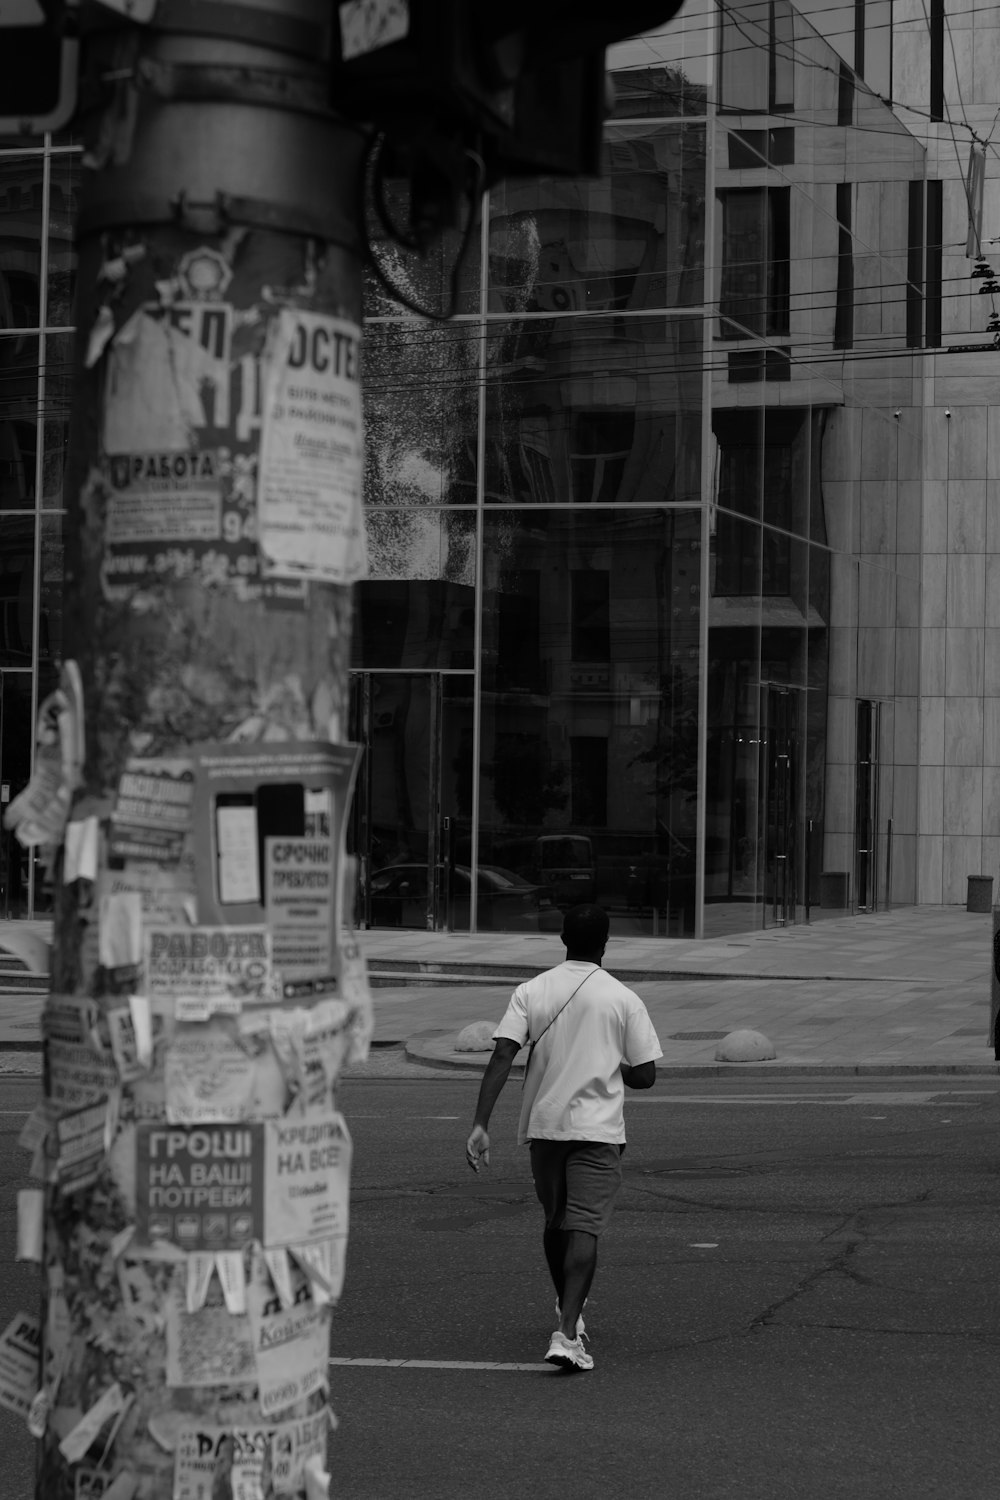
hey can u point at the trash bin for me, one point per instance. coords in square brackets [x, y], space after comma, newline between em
[834, 889]
[980, 896]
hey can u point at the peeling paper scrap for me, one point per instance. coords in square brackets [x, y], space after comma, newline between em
[324, 1264]
[317, 1479]
[35, 1128]
[100, 336]
[80, 850]
[75, 1444]
[132, 1054]
[119, 943]
[38, 1415]
[281, 1275]
[30, 1224]
[142, 1021]
[200, 1265]
[121, 1241]
[232, 1274]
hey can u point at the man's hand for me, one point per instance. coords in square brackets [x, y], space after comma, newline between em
[477, 1148]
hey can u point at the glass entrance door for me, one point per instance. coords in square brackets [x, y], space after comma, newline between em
[412, 804]
[781, 820]
[867, 805]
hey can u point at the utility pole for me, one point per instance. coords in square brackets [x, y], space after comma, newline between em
[194, 1161]
[189, 1211]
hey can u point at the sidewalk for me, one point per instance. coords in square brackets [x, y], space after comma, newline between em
[901, 991]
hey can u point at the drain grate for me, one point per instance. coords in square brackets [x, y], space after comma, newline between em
[697, 1036]
[970, 1031]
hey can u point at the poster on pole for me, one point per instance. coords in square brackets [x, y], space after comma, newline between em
[20, 1353]
[309, 481]
[201, 1188]
[269, 824]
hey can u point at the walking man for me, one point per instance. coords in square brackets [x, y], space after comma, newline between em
[590, 1038]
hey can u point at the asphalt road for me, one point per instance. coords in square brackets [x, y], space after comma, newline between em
[797, 1298]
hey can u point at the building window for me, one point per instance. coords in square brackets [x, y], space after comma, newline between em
[591, 615]
[843, 324]
[588, 780]
[756, 64]
[762, 148]
[932, 267]
[747, 366]
[755, 262]
[600, 445]
[915, 266]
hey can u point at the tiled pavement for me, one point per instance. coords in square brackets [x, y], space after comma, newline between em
[900, 991]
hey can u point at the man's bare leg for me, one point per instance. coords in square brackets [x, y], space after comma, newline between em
[554, 1241]
[573, 1273]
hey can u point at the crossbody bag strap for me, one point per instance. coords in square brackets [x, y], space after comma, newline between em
[538, 1038]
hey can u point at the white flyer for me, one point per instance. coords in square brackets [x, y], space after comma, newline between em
[312, 450]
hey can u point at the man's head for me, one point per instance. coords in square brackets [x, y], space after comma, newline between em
[585, 932]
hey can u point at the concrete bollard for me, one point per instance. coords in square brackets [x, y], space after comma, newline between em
[477, 1037]
[745, 1046]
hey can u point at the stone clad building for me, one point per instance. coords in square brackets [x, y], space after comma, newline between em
[683, 531]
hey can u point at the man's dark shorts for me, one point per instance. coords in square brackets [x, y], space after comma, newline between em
[577, 1182]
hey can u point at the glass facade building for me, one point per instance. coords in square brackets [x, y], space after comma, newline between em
[611, 640]
[642, 611]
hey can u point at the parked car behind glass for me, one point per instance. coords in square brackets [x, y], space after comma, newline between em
[506, 902]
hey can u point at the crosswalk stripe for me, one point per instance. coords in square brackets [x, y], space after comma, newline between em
[437, 1364]
[952, 1098]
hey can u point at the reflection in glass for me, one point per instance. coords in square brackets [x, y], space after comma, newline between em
[16, 740]
[56, 415]
[416, 608]
[633, 238]
[18, 420]
[588, 777]
[50, 621]
[17, 570]
[64, 182]
[420, 413]
[20, 240]
[442, 276]
[594, 411]
[410, 815]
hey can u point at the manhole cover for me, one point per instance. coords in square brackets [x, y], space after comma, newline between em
[697, 1036]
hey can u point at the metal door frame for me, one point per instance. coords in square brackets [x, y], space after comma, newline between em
[867, 769]
[779, 783]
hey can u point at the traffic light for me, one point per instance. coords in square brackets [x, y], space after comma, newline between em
[520, 82]
[39, 55]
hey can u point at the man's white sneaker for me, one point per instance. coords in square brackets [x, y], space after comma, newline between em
[568, 1353]
[581, 1327]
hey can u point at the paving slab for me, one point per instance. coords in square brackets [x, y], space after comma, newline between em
[906, 990]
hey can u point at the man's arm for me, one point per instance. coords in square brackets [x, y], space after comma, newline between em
[642, 1076]
[477, 1147]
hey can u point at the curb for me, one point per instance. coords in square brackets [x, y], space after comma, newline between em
[425, 1047]
[387, 976]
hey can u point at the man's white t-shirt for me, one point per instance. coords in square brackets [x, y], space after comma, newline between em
[574, 1090]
